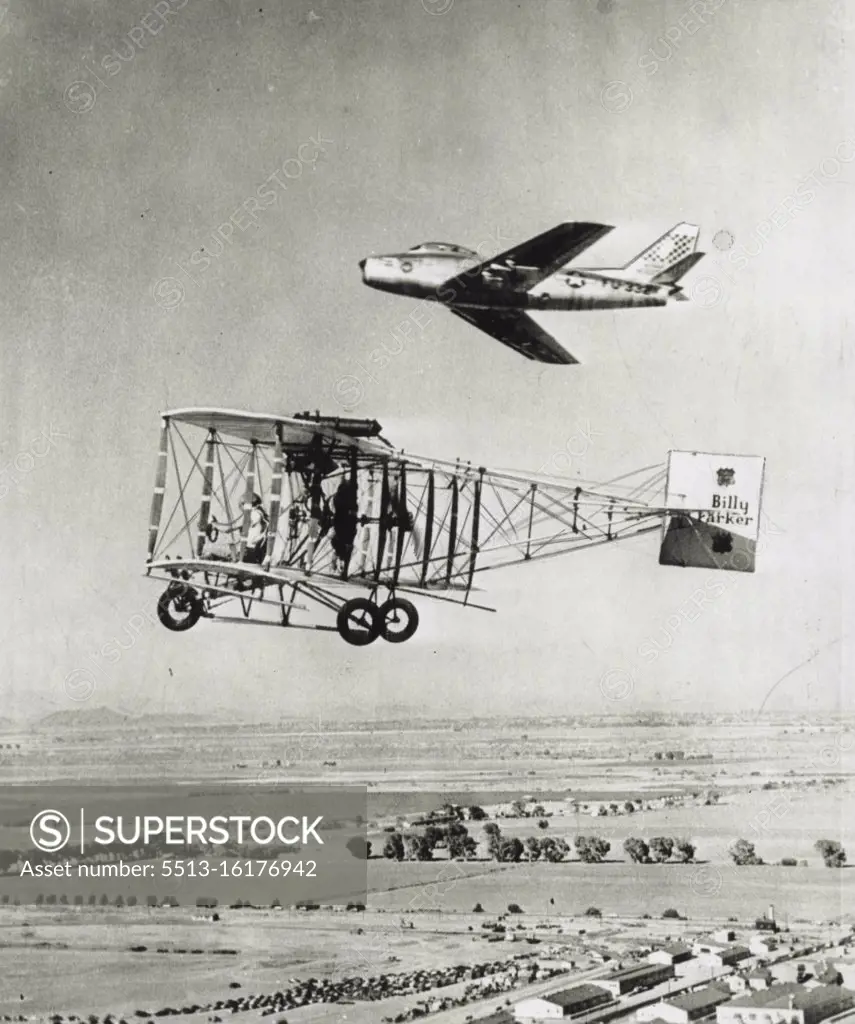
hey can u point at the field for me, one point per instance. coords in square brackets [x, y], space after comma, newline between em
[420, 914]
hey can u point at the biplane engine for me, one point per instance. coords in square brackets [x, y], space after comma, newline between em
[713, 517]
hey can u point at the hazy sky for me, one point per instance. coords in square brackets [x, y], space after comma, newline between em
[132, 131]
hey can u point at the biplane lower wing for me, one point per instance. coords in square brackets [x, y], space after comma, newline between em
[518, 331]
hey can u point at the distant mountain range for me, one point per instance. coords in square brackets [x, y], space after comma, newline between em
[99, 718]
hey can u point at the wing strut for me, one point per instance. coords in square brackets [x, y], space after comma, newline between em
[428, 538]
[251, 470]
[384, 521]
[473, 538]
[530, 521]
[207, 490]
[401, 519]
[275, 494]
[452, 530]
[159, 488]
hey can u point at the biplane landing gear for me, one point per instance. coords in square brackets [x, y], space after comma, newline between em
[359, 621]
[399, 620]
[183, 600]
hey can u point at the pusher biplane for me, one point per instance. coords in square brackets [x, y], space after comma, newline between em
[272, 516]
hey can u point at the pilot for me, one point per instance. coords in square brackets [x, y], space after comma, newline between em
[256, 538]
[344, 523]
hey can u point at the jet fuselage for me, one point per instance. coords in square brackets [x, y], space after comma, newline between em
[434, 277]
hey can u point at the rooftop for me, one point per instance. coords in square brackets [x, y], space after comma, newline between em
[577, 994]
[676, 948]
[779, 996]
[702, 997]
[640, 970]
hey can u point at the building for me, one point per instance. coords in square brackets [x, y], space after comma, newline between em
[789, 1003]
[618, 983]
[732, 983]
[729, 956]
[564, 1003]
[709, 946]
[762, 945]
[670, 953]
[684, 1007]
[725, 935]
[760, 978]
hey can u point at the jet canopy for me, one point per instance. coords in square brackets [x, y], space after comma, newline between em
[443, 247]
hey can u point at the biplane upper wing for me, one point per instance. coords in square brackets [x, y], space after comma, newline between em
[543, 254]
[296, 432]
[519, 331]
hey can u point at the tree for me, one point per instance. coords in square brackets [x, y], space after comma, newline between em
[637, 849]
[434, 836]
[477, 909]
[743, 853]
[671, 913]
[514, 908]
[418, 848]
[510, 850]
[593, 912]
[518, 809]
[832, 853]
[538, 811]
[591, 849]
[459, 842]
[492, 829]
[661, 848]
[477, 813]
[629, 806]
[393, 848]
[685, 850]
[543, 823]
[533, 848]
[554, 850]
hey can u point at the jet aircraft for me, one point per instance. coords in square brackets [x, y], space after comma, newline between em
[497, 294]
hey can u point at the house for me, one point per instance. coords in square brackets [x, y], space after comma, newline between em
[630, 979]
[671, 953]
[564, 1003]
[762, 945]
[684, 1007]
[725, 935]
[759, 978]
[703, 946]
[788, 1003]
[732, 983]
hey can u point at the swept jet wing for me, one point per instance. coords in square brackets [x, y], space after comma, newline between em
[518, 331]
[543, 254]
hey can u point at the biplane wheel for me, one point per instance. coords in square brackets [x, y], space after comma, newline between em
[179, 607]
[359, 622]
[399, 619]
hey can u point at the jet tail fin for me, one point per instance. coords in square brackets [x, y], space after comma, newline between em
[664, 253]
[672, 274]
